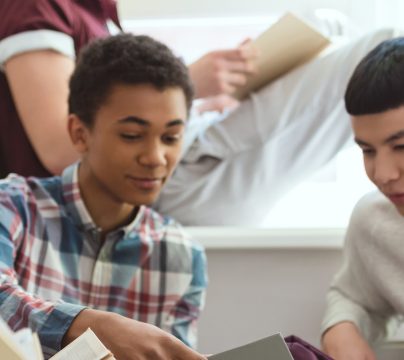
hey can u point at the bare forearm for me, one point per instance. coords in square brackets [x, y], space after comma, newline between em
[87, 318]
[129, 339]
[343, 341]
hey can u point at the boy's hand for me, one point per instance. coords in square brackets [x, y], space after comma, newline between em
[344, 342]
[222, 71]
[130, 339]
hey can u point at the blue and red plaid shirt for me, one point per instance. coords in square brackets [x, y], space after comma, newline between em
[53, 264]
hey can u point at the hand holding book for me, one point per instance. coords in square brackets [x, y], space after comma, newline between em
[237, 72]
[223, 71]
[285, 45]
[129, 339]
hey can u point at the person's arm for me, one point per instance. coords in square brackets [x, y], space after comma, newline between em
[183, 318]
[346, 324]
[129, 339]
[18, 307]
[343, 341]
[222, 71]
[357, 312]
[39, 86]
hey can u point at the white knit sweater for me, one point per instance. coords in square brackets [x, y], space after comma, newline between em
[369, 288]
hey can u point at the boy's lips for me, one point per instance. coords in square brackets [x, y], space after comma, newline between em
[146, 183]
[396, 198]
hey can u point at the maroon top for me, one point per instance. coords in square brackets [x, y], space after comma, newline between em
[82, 20]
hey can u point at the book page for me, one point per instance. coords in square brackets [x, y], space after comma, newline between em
[86, 347]
[285, 45]
[270, 348]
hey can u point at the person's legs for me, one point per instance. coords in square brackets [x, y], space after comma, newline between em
[238, 169]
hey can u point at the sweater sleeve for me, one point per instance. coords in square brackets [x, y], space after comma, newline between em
[341, 308]
[354, 295]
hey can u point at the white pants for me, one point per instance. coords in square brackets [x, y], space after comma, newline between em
[238, 168]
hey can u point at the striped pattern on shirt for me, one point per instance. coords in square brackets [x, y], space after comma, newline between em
[53, 264]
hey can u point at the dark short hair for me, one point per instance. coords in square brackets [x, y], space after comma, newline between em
[124, 59]
[377, 84]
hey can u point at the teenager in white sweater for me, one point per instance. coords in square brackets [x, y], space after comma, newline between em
[368, 291]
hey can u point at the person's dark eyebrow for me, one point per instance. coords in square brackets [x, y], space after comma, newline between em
[134, 120]
[394, 137]
[143, 122]
[175, 122]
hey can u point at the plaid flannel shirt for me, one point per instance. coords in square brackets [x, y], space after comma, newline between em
[53, 264]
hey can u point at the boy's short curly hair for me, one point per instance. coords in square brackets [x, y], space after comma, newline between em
[124, 59]
[377, 84]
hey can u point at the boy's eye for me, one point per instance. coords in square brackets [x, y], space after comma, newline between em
[399, 147]
[368, 151]
[129, 136]
[172, 139]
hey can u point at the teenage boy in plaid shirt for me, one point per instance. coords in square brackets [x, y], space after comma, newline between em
[83, 249]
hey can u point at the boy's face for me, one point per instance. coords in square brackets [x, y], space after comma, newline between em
[134, 143]
[381, 138]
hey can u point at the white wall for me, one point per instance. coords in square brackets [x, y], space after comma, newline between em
[254, 293]
[277, 284]
[366, 13]
[263, 281]
[207, 8]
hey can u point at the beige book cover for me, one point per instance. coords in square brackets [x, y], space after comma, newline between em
[22, 345]
[285, 45]
[9, 350]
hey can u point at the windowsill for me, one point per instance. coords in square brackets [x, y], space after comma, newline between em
[256, 238]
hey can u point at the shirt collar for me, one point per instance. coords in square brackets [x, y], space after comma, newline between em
[78, 210]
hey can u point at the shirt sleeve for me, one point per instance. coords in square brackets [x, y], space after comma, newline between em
[29, 25]
[188, 309]
[18, 307]
[353, 296]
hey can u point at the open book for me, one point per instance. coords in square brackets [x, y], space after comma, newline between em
[285, 45]
[24, 345]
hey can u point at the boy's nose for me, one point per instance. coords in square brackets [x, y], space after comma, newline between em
[153, 156]
[385, 170]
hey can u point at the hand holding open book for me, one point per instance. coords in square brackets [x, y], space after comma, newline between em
[130, 339]
[222, 77]
[127, 339]
[283, 46]
[221, 71]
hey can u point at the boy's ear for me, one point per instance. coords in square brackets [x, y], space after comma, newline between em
[78, 132]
